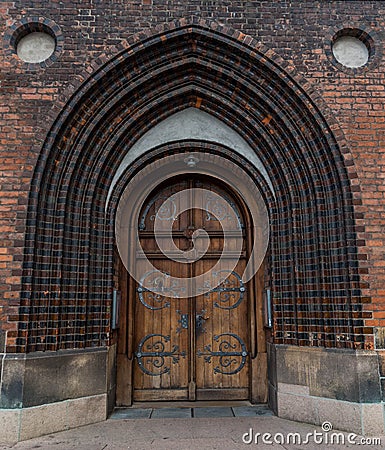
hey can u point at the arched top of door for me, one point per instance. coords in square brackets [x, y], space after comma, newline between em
[234, 178]
[220, 206]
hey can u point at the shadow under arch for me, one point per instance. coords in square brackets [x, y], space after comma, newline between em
[69, 241]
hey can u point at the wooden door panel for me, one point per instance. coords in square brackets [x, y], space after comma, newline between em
[217, 209]
[161, 342]
[222, 347]
[175, 358]
[166, 210]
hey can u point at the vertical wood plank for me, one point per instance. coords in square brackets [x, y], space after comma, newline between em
[123, 381]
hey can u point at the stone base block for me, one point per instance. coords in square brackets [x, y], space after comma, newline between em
[28, 423]
[10, 424]
[365, 419]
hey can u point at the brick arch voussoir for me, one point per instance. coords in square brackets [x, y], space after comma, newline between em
[243, 46]
[148, 116]
[225, 113]
[85, 157]
[139, 43]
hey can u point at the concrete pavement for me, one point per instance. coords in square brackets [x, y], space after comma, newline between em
[186, 431]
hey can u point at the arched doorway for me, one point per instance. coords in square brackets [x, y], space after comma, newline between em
[191, 320]
[68, 277]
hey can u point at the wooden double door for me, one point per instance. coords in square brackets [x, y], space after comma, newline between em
[189, 316]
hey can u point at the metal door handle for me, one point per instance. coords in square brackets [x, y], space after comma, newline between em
[199, 322]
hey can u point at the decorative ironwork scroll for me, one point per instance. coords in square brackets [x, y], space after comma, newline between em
[231, 352]
[229, 292]
[153, 354]
[166, 211]
[156, 289]
[221, 208]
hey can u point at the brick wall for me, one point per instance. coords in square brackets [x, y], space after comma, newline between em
[298, 32]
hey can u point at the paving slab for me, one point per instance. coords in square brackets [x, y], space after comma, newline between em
[213, 412]
[131, 413]
[176, 413]
[206, 433]
[251, 411]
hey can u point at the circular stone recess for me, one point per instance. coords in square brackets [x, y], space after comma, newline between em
[35, 47]
[350, 51]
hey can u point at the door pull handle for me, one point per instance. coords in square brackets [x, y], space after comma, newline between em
[199, 322]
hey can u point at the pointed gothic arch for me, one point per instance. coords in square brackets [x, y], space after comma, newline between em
[67, 280]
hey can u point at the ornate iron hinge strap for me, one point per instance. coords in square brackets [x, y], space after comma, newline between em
[227, 290]
[166, 211]
[220, 209]
[158, 289]
[229, 353]
[154, 355]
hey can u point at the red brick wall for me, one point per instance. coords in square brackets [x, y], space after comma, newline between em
[299, 32]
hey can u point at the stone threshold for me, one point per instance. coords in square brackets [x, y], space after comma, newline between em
[169, 410]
